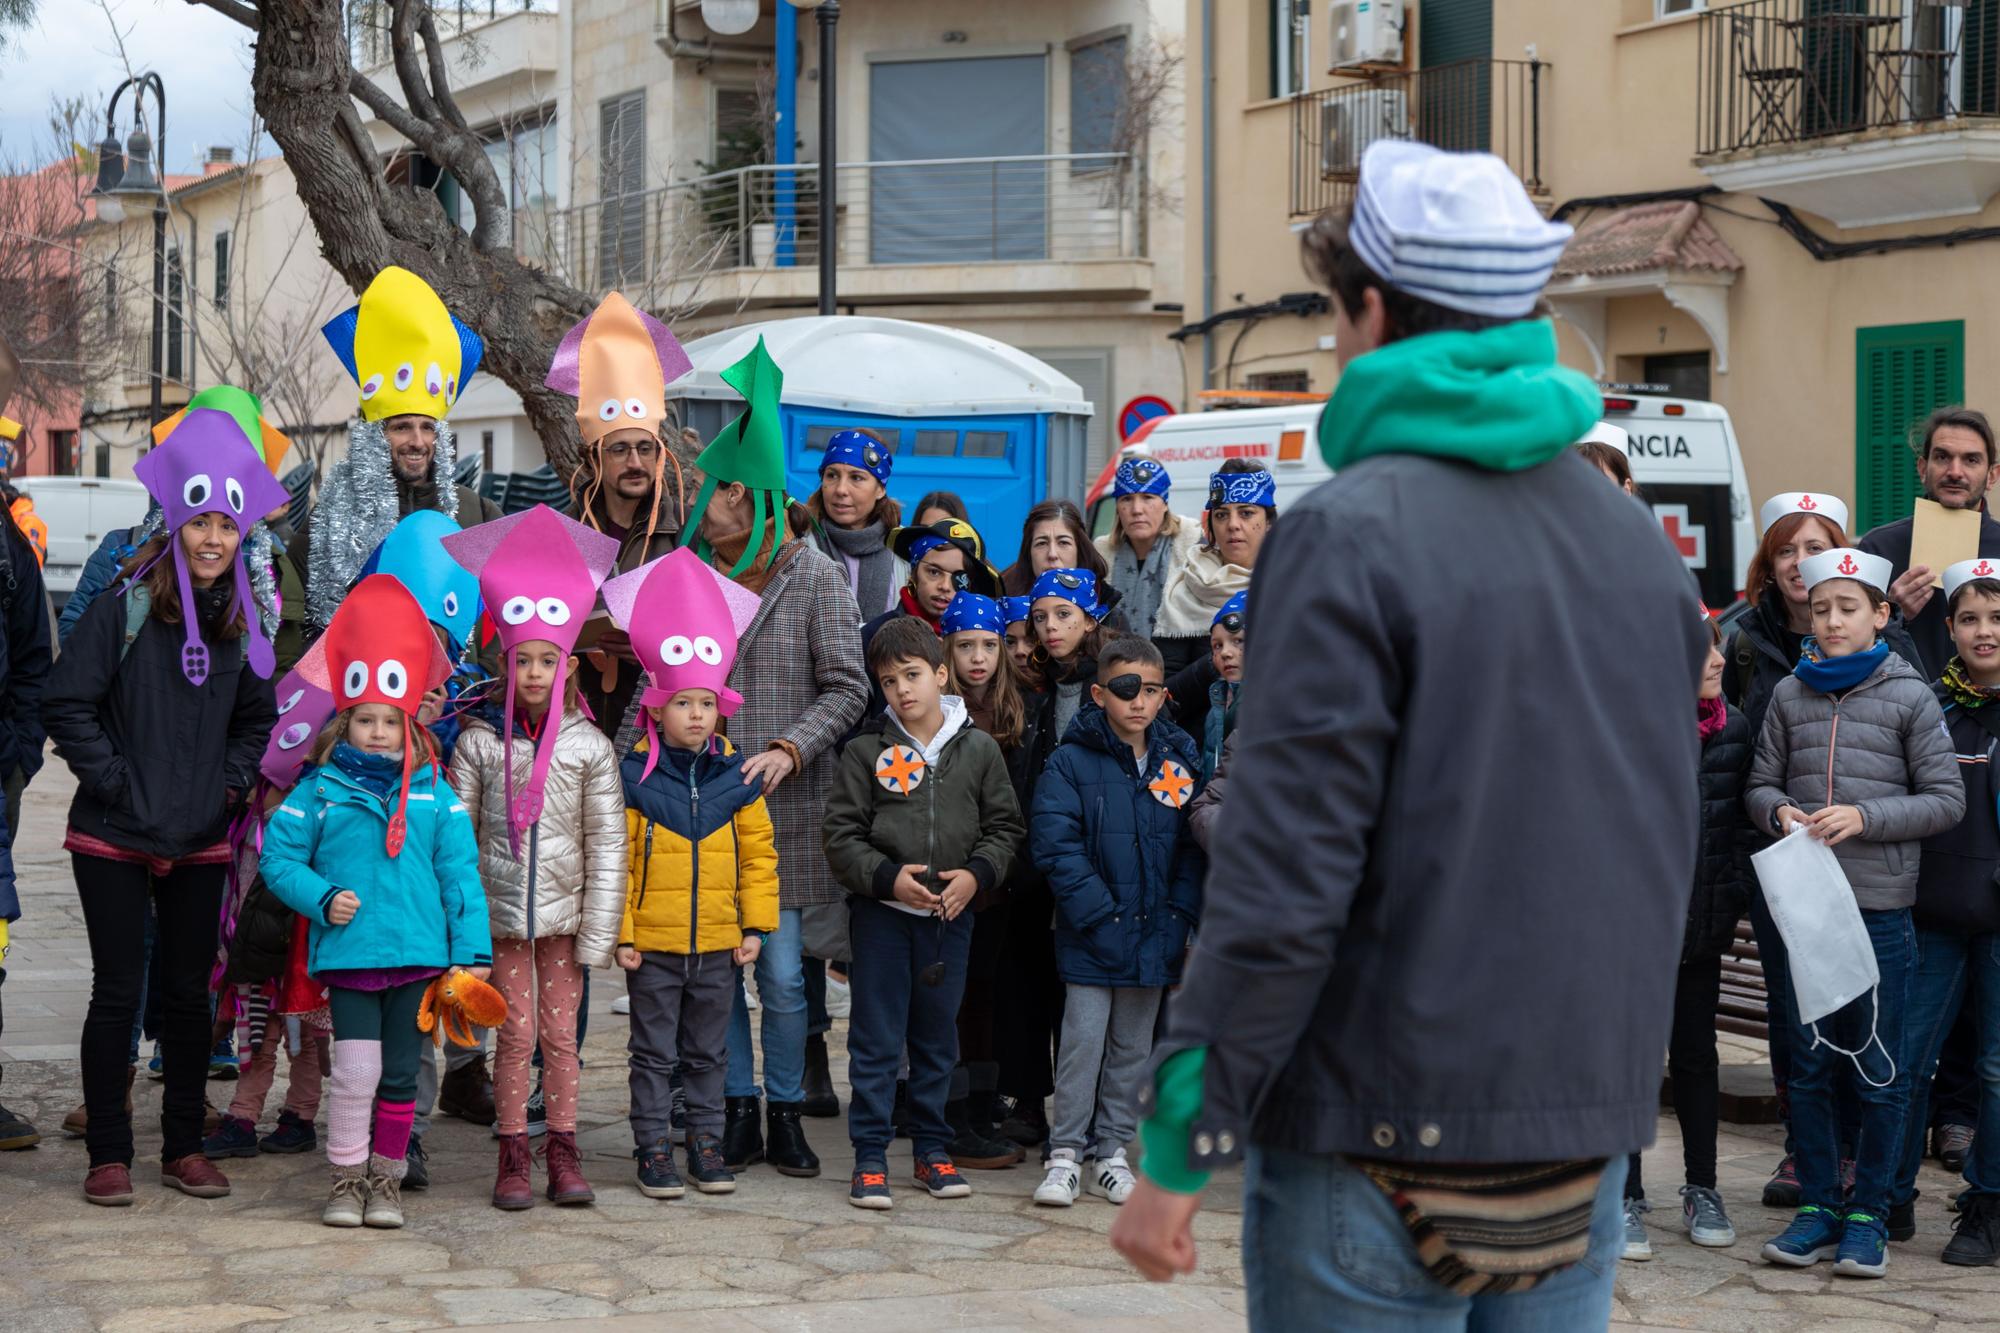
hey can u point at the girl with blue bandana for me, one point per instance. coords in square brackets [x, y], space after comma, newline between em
[1147, 543]
[1016, 637]
[854, 518]
[1242, 509]
[1870, 790]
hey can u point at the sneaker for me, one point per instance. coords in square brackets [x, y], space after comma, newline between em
[1637, 1247]
[936, 1173]
[1813, 1235]
[1954, 1143]
[1782, 1189]
[621, 1004]
[417, 1166]
[538, 1114]
[1903, 1220]
[16, 1132]
[234, 1138]
[195, 1175]
[705, 1165]
[870, 1187]
[1062, 1183]
[657, 1177]
[1707, 1223]
[1111, 1178]
[293, 1135]
[156, 1068]
[839, 998]
[109, 1186]
[1025, 1123]
[347, 1206]
[222, 1060]
[1975, 1239]
[1864, 1247]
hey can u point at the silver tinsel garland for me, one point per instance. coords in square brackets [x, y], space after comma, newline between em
[357, 506]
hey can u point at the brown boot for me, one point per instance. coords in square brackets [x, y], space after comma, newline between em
[77, 1123]
[467, 1092]
[513, 1190]
[565, 1163]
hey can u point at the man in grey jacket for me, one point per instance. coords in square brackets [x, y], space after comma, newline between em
[1435, 971]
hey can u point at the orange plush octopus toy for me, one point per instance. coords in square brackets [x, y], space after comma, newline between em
[456, 1004]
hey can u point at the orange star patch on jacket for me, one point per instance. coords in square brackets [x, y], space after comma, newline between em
[1172, 786]
[899, 769]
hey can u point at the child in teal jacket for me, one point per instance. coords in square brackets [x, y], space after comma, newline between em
[377, 852]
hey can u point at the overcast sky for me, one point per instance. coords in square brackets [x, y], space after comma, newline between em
[69, 51]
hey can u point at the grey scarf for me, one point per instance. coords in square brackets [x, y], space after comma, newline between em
[1143, 582]
[865, 551]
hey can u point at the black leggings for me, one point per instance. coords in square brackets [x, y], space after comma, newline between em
[1695, 1070]
[186, 904]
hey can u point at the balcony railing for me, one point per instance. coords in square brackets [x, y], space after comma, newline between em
[1792, 71]
[1490, 105]
[953, 211]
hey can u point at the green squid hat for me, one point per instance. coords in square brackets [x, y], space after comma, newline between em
[749, 450]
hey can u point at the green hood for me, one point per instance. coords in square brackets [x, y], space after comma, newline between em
[1495, 399]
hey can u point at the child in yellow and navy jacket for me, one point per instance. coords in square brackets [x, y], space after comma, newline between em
[704, 880]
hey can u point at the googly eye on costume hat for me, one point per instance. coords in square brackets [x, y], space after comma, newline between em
[970, 611]
[1141, 476]
[1968, 571]
[856, 448]
[1846, 563]
[1242, 488]
[303, 709]
[1076, 586]
[1818, 503]
[1230, 617]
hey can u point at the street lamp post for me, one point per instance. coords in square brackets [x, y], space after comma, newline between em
[828, 13]
[131, 176]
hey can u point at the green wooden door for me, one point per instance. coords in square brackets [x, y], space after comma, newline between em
[1454, 101]
[1901, 373]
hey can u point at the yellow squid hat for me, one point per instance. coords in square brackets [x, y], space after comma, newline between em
[405, 350]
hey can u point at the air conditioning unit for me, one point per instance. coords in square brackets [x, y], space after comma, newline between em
[1351, 121]
[1366, 32]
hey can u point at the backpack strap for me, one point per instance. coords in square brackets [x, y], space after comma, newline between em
[1744, 654]
[138, 605]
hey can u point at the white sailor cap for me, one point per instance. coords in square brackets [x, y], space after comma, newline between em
[1844, 562]
[1829, 507]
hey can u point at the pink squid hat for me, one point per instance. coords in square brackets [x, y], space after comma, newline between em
[684, 620]
[538, 574]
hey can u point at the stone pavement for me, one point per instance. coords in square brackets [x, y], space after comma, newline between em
[777, 1255]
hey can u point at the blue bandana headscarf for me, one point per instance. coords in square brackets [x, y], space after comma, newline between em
[1141, 476]
[1235, 607]
[1242, 488]
[1076, 586]
[856, 449]
[970, 611]
[1014, 610]
[924, 545]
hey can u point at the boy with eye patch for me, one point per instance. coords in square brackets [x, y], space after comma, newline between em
[1109, 829]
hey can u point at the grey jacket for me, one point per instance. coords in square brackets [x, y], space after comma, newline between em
[1881, 747]
[1461, 828]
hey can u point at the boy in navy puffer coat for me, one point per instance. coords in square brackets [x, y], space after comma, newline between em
[1109, 829]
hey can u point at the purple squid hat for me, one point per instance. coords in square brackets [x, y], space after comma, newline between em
[207, 466]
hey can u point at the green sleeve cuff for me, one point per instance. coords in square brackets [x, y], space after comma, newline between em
[1177, 1087]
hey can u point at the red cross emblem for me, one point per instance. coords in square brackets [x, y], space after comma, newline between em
[1982, 569]
[1172, 786]
[1806, 503]
[899, 769]
[1847, 565]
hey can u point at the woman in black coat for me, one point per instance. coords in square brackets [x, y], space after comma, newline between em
[1721, 893]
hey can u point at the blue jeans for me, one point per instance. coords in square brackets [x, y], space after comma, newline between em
[781, 991]
[1324, 1248]
[1817, 1070]
[893, 1011]
[1778, 1027]
[1953, 968]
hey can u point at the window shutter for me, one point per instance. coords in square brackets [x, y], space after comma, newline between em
[221, 282]
[1902, 372]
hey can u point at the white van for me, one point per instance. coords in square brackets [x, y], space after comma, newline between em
[1684, 457]
[79, 511]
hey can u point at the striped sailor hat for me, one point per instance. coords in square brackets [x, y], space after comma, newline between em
[1454, 229]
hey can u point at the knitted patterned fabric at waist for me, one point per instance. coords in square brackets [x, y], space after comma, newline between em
[216, 854]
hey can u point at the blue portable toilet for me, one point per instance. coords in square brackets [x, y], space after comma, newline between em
[964, 412]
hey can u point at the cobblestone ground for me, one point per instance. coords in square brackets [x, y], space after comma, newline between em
[778, 1254]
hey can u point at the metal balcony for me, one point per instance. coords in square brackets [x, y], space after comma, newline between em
[1486, 105]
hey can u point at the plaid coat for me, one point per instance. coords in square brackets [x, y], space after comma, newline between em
[799, 670]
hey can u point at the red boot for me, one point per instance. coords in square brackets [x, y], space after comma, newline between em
[566, 1182]
[513, 1190]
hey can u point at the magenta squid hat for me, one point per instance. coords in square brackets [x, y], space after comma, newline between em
[538, 574]
[684, 620]
[207, 466]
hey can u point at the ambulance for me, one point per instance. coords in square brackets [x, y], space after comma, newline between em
[1684, 455]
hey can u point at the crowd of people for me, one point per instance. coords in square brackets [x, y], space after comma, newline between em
[419, 760]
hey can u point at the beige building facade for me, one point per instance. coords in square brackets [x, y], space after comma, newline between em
[1786, 206]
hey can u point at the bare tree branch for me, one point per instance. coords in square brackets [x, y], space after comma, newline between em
[440, 79]
[243, 13]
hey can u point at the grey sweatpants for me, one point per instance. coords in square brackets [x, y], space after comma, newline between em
[455, 1057]
[680, 1013]
[1107, 1037]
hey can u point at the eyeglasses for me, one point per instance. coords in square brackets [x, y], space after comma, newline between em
[644, 449]
[1131, 686]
